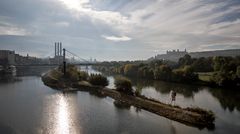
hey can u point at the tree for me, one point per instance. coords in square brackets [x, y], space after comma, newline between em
[71, 72]
[123, 84]
[226, 71]
[82, 75]
[185, 60]
[98, 79]
[203, 65]
[163, 72]
[185, 74]
[155, 63]
[224, 64]
[238, 71]
[145, 72]
[130, 70]
[223, 78]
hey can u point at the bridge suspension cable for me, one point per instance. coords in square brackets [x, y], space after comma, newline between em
[77, 56]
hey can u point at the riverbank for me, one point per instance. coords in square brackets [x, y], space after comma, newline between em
[190, 116]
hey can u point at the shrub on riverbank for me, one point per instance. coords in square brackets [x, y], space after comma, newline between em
[123, 84]
[207, 115]
[55, 74]
[82, 76]
[185, 74]
[98, 80]
[72, 73]
[226, 71]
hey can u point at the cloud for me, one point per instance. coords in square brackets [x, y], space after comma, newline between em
[83, 8]
[115, 38]
[62, 24]
[92, 27]
[9, 29]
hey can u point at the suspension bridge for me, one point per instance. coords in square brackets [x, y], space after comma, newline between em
[61, 55]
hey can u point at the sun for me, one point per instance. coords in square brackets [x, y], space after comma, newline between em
[74, 4]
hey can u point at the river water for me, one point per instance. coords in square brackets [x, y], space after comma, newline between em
[30, 107]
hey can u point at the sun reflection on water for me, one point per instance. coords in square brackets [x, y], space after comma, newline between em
[63, 118]
[60, 115]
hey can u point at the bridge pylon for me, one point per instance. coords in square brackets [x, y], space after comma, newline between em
[64, 61]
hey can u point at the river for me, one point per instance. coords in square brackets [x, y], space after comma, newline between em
[30, 107]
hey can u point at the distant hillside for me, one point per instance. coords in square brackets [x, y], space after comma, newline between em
[176, 54]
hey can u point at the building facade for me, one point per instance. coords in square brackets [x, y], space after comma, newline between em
[7, 57]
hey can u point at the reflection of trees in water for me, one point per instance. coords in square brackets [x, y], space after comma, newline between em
[228, 98]
[166, 87]
[8, 78]
[172, 128]
[5, 129]
[33, 70]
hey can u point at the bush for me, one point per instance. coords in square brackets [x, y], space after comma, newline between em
[130, 70]
[223, 78]
[185, 74]
[72, 72]
[83, 76]
[208, 115]
[98, 79]
[163, 72]
[123, 84]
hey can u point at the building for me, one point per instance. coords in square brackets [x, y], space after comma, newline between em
[175, 55]
[58, 57]
[229, 52]
[7, 57]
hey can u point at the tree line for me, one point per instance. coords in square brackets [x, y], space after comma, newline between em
[226, 70]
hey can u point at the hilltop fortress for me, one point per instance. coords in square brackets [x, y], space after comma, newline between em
[174, 55]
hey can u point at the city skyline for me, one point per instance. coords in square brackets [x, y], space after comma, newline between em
[118, 30]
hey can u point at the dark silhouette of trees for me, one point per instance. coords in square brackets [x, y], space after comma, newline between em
[202, 64]
[185, 60]
[163, 72]
[124, 85]
[226, 69]
[98, 80]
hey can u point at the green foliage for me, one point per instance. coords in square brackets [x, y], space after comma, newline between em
[226, 71]
[207, 115]
[55, 74]
[163, 72]
[238, 71]
[202, 65]
[225, 63]
[185, 60]
[185, 74]
[130, 70]
[205, 76]
[222, 78]
[98, 79]
[123, 84]
[82, 76]
[145, 72]
[155, 63]
[72, 72]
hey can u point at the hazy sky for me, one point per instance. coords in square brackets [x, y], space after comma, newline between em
[118, 29]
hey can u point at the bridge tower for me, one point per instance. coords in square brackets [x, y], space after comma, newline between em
[64, 61]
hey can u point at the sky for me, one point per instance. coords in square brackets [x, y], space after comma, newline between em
[118, 29]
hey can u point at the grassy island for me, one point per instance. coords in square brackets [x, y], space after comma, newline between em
[124, 96]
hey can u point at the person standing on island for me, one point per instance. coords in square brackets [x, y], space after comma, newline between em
[173, 95]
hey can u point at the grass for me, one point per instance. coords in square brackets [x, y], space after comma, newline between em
[205, 76]
[207, 115]
[55, 74]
